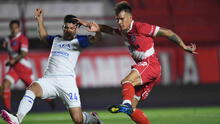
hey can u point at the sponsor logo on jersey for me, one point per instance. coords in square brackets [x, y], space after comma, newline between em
[133, 38]
[65, 46]
[60, 53]
[14, 43]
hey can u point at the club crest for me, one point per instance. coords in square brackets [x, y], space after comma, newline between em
[133, 38]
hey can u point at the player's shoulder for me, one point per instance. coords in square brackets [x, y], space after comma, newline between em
[22, 35]
[22, 38]
[52, 37]
[138, 23]
[141, 25]
[80, 36]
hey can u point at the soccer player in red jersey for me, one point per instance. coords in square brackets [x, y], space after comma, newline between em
[138, 37]
[19, 65]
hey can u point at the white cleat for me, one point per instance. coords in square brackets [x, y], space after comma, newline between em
[97, 117]
[9, 118]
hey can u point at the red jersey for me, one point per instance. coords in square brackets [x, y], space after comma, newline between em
[139, 40]
[17, 44]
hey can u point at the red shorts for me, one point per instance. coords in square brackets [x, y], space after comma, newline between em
[19, 71]
[150, 71]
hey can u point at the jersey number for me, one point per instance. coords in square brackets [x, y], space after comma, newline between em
[73, 97]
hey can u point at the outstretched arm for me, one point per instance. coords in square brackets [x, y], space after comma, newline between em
[107, 29]
[96, 28]
[13, 61]
[40, 21]
[92, 27]
[163, 32]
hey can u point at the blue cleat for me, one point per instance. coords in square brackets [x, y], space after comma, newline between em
[123, 108]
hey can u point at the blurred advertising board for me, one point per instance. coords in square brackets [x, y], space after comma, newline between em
[107, 67]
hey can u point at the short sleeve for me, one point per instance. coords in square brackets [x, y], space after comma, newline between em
[24, 44]
[83, 41]
[50, 38]
[147, 29]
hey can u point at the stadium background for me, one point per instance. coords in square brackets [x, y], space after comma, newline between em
[186, 80]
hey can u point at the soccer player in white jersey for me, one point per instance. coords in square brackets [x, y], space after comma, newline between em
[59, 77]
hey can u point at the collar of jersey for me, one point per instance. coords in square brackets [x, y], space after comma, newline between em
[17, 35]
[74, 37]
[131, 25]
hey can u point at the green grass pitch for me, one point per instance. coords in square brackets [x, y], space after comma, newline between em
[188, 115]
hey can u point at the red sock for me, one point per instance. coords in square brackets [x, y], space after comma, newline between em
[128, 91]
[7, 98]
[139, 117]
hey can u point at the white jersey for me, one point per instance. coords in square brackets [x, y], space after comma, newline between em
[64, 55]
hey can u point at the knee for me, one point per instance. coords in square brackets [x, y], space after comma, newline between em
[29, 88]
[125, 81]
[6, 84]
[36, 89]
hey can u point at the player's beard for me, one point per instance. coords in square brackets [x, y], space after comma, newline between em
[68, 36]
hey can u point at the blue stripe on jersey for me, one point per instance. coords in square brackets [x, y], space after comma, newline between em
[83, 41]
[50, 38]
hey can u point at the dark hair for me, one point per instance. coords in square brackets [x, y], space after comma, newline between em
[122, 6]
[14, 22]
[70, 19]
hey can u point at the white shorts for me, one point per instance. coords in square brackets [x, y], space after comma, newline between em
[63, 87]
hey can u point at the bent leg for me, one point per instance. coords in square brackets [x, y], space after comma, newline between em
[25, 105]
[80, 117]
[76, 115]
[10, 78]
[128, 92]
[6, 91]
[128, 84]
[33, 91]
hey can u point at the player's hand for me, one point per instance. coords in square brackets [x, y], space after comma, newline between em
[93, 27]
[191, 48]
[10, 62]
[4, 45]
[82, 22]
[38, 14]
[5, 42]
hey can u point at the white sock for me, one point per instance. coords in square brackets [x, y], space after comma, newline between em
[89, 119]
[25, 104]
[126, 101]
